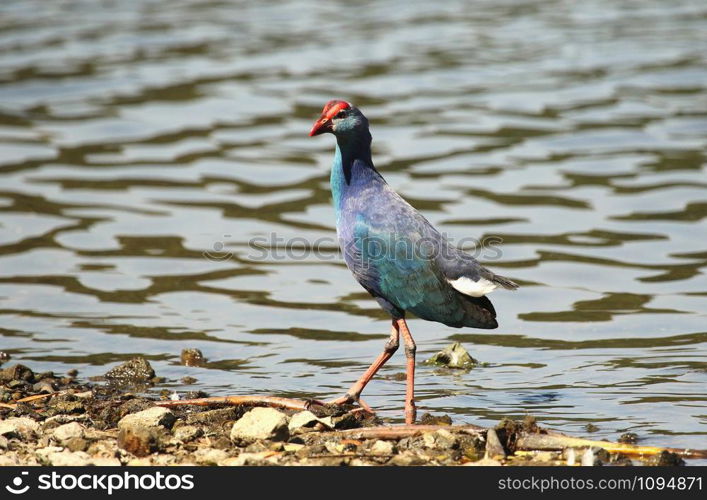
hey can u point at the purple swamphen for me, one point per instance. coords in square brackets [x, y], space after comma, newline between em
[395, 253]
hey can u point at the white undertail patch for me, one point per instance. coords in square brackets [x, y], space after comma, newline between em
[468, 286]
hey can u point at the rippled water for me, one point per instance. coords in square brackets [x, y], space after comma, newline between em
[136, 136]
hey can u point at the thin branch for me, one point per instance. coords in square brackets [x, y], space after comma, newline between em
[272, 401]
[555, 441]
[402, 431]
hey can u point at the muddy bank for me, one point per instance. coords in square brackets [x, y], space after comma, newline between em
[52, 419]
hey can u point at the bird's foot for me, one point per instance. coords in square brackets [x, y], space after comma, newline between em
[348, 399]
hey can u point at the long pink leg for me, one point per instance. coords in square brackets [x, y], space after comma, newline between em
[354, 393]
[410, 349]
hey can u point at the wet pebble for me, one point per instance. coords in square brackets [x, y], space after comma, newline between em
[441, 439]
[66, 458]
[135, 371]
[152, 417]
[429, 419]
[187, 433]
[192, 357]
[141, 441]
[305, 421]
[628, 438]
[382, 448]
[261, 423]
[209, 456]
[214, 417]
[494, 448]
[453, 356]
[65, 432]
[21, 427]
[16, 372]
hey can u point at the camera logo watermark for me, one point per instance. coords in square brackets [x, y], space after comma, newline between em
[17, 481]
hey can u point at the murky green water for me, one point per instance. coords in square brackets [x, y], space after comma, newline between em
[135, 136]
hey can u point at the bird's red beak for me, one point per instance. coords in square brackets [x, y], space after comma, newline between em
[324, 123]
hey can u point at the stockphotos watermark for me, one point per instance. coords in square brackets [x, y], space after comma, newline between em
[99, 482]
[362, 249]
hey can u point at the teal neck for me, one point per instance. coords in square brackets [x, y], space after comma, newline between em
[337, 179]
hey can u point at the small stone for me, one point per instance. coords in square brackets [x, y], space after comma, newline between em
[453, 356]
[187, 433]
[192, 357]
[334, 448]
[141, 441]
[105, 462]
[256, 447]
[140, 462]
[69, 459]
[407, 457]
[104, 449]
[44, 375]
[348, 420]
[429, 419]
[620, 460]
[305, 420]
[156, 416]
[188, 380]
[571, 456]
[494, 448]
[261, 423]
[664, 459]
[76, 444]
[67, 407]
[221, 442]
[381, 447]
[136, 371]
[57, 420]
[43, 387]
[588, 458]
[442, 439]
[43, 453]
[485, 462]
[196, 395]
[214, 417]
[65, 432]
[18, 427]
[234, 461]
[257, 458]
[10, 460]
[628, 438]
[16, 372]
[209, 456]
[590, 427]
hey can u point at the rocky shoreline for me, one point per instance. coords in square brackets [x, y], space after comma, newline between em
[47, 419]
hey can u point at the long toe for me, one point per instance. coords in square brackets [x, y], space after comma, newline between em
[343, 400]
[348, 400]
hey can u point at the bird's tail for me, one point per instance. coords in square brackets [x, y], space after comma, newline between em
[504, 282]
